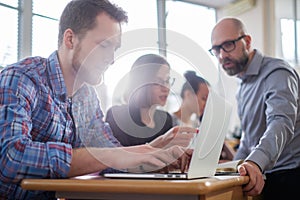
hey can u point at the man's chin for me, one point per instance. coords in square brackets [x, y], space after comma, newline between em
[98, 82]
[95, 81]
[231, 72]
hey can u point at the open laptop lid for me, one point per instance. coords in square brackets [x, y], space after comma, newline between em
[209, 141]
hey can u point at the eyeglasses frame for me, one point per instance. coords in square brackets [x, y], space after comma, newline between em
[219, 47]
[166, 83]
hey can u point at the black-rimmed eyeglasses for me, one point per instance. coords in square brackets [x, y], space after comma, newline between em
[227, 46]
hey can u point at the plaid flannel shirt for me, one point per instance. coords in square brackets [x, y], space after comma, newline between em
[37, 132]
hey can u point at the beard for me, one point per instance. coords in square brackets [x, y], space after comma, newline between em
[90, 76]
[239, 65]
[85, 71]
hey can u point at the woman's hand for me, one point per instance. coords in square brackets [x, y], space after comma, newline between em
[177, 135]
[174, 158]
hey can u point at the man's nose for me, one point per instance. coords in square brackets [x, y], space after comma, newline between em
[165, 88]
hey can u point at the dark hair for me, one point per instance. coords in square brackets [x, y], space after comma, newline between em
[142, 74]
[192, 82]
[80, 16]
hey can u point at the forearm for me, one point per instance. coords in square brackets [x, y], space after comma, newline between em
[91, 160]
[85, 162]
[181, 136]
[270, 147]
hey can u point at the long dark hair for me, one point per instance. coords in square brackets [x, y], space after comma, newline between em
[192, 82]
[141, 76]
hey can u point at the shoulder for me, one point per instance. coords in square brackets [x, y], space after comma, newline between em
[30, 68]
[271, 65]
[116, 111]
[263, 65]
[118, 108]
[24, 75]
[277, 69]
[277, 75]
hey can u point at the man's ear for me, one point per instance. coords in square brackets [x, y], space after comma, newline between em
[248, 40]
[69, 38]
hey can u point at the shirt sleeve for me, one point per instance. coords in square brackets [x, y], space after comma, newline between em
[21, 156]
[281, 101]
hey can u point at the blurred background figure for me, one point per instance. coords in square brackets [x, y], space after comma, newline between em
[194, 94]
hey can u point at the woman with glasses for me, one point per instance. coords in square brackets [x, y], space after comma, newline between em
[139, 121]
[194, 93]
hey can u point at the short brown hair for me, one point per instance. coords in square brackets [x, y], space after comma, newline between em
[80, 16]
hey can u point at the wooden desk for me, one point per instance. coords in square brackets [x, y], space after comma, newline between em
[92, 187]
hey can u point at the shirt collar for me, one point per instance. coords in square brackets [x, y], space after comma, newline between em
[254, 65]
[55, 76]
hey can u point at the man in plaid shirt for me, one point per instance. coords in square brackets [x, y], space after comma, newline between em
[41, 135]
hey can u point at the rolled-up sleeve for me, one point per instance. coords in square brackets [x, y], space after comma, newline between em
[27, 151]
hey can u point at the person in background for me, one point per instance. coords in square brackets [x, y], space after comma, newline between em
[139, 121]
[194, 94]
[41, 136]
[269, 110]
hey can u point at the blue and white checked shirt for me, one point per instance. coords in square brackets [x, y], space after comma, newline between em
[37, 131]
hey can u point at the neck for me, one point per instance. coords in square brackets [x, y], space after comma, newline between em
[147, 116]
[184, 114]
[69, 74]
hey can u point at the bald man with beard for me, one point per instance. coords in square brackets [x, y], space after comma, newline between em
[268, 107]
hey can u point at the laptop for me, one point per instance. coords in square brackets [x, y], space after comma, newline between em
[208, 144]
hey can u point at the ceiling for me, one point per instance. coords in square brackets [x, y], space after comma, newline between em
[211, 3]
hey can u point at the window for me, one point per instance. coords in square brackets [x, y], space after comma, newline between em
[13, 3]
[9, 32]
[45, 22]
[43, 38]
[288, 40]
[188, 40]
[288, 31]
[139, 37]
[141, 31]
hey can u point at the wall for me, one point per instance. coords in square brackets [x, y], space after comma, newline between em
[255, 20]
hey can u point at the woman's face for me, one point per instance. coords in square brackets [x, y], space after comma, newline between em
[196, 101]
[161, 86]
[202, 95]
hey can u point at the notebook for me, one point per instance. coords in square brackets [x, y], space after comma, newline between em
[207, 144]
